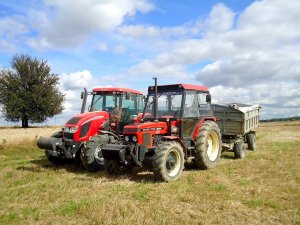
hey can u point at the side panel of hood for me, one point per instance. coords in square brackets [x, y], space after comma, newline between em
[88, 124]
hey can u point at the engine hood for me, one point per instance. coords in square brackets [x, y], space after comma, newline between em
[87, 117]
[149, 126]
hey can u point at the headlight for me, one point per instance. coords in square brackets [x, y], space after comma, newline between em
[71, 129]
[134, 139]
[174, 129]
[126, 138]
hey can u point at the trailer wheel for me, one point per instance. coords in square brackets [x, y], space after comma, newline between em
[251, 141]
[55, 160]
[207, 146]
[91, 155]
[115, 168]
[168, 162]
[239, 150]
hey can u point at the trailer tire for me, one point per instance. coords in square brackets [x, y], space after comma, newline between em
[55, 160]
[239, 150]
[208, 146]
[251, 141]
[115, 168]
[168, 161]
[91, 155]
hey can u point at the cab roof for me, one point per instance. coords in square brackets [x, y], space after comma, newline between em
[116, 89]
[177, 87]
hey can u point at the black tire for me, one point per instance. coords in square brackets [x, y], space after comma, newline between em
[251, 141]
[168, 161]
[55, 160]
[115, 168]
[91, 155]
[239, 150]
[208, 146]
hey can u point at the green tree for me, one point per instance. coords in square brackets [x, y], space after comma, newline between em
[29, 91]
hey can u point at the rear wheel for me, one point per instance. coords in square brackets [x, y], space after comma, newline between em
[91, 155]
[168, 162]
[239, 150]
[207, 146]
[115, 168]
[251, 141]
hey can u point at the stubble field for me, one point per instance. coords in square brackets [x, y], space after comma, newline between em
[264, 188]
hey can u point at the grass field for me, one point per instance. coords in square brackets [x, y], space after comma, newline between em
[264, 188]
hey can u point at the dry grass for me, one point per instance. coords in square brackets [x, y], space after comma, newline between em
[261, 189]
[14, 136]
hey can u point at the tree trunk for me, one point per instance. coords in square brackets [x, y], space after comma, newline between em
[25, 122]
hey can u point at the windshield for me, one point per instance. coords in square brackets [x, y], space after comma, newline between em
[168, 104]
[133, 104]
[104, 102]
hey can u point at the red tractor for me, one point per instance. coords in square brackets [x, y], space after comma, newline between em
[111, 109]
[177, 126]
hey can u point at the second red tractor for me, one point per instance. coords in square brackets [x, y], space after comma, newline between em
[177, 126]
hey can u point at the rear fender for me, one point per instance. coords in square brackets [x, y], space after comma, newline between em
[196, 131]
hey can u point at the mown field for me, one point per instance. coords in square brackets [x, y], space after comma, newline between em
[264, 188]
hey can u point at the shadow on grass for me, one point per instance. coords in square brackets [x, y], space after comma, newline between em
[41, 164]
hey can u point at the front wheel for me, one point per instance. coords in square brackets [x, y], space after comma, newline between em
[168, 162]
[91, 155]
[115, 168]
[207, 146]
[55, 160]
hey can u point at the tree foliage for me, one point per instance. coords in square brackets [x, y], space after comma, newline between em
[29, 91]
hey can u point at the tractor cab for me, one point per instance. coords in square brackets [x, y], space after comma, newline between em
[184, 103]
[122, 104]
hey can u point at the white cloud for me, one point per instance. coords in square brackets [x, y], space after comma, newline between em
[77, 80]
[73, 23]
[254, 55]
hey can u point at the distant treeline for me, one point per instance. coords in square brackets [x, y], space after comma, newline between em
[282, 119]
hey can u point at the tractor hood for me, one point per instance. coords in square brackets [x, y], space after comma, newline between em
[83, 126]
[156, 127]
[87, 117]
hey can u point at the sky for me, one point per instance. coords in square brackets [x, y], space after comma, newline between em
[244, 51]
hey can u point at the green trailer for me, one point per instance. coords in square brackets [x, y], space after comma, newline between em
[237, 123]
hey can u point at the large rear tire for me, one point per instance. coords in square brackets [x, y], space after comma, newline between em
[168, 162]
[91, 155]
[208, 146]
[251, 141]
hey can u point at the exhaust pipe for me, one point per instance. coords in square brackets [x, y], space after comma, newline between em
[84, 98]
[155, 98]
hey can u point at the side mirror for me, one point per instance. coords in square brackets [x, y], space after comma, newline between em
[208, 98]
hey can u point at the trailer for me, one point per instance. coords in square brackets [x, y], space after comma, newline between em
[237, 123]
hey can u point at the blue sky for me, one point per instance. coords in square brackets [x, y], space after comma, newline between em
[244, 51]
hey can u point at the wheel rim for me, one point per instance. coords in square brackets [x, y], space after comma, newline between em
[213, 146]
[96, 156]
[173, 163]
